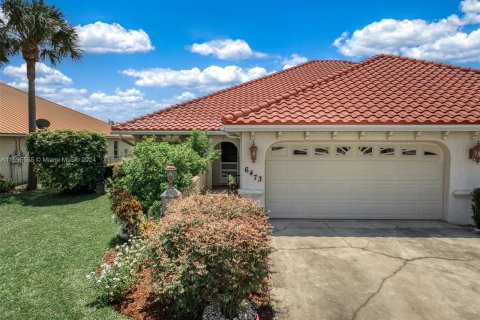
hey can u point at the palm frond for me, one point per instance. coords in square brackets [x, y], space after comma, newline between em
[38, 31]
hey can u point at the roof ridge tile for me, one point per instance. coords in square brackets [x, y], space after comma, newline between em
[231, 116]
[213, 94]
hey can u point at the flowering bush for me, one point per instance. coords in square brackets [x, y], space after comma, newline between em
[126, 209]
[222, 205]
[115, 279]
[210, 250]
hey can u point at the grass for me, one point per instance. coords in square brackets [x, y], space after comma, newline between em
[48, 243]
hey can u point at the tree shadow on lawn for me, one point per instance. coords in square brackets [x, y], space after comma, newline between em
[46, 198]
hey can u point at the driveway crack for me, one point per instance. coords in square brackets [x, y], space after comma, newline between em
[405, 262]
[275, 230]
[363, 305]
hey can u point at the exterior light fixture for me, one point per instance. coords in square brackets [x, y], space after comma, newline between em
[170, 193]
[253, 152]
[474, 153]
[171, 170]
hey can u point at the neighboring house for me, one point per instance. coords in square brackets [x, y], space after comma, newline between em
[14, 128]
[385, 138]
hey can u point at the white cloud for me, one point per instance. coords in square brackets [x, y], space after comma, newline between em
[293, 61]
[471, 8]
[211, 78]
[461, 47]
[227, 49]
[185, 96]
[101, 37]
[53, 85]
[120, 97]
[442, 40]
[44, 75]
[2, 16]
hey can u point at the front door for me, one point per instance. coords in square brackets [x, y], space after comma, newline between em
[228, 161]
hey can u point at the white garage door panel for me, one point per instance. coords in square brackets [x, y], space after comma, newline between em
[377, 186]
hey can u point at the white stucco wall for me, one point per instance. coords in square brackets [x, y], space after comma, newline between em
[461, 173]
[8, 145]
[123, 147]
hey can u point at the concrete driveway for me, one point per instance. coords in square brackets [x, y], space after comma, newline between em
[375, 270]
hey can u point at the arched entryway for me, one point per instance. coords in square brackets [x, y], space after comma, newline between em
[226, 164]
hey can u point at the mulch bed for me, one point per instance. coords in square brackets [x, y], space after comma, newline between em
[262, 300]
[140, 301]
[16, 190]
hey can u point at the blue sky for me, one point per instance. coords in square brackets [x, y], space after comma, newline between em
[141, 56]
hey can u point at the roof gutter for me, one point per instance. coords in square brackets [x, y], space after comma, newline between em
[13, 135]
[355, 127]
[160, 133]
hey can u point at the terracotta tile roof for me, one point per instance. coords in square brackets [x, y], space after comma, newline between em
[384, 89]
[206, 112]
[14, 114]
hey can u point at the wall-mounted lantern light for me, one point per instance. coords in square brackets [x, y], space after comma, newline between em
[253, 152]
[474, 153]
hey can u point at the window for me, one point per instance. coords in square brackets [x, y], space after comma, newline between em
[115, 149]
[407, 151]
[366, 151]
[430, 151]
[322, 151]
[300, 151]
[344, 151]
[279, 151]
[387, 151]
[126, 151]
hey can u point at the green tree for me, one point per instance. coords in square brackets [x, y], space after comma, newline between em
[39, 32]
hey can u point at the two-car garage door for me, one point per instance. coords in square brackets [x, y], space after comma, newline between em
[354, 180]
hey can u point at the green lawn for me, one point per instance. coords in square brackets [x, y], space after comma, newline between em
[48, 243]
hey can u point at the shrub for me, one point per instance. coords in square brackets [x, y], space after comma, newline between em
[476, 206]
[221, 205]
[155, 209]
[145, 176]
[200, 143]
[204, 257]
[115, 279]
[67, 160]
[126, 209]
[6, 184]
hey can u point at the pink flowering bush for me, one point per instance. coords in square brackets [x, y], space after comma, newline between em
[222, 205]
[210, 250]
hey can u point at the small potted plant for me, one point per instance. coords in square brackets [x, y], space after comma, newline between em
[232, 184]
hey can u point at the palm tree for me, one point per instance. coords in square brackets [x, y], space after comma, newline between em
[39, 32]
